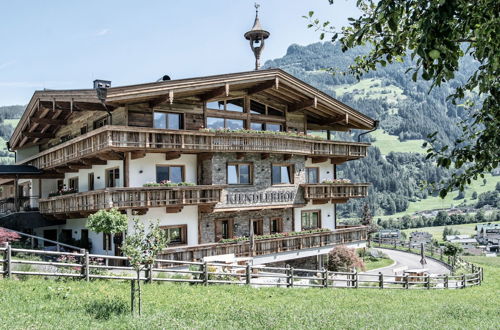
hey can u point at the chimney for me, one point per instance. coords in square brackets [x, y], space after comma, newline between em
[98, 83]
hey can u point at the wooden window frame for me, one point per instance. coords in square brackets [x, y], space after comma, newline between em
[260, 223]
[311, 211]
[225, 119]
[292, 174]
[104, 119]
[182, 119]
[267, 109]
[307, 174]
[280, 225]
[184, 234]
[73, 179]
[250, 164]
[91, 181]
[106, 179]
[225, 104]
[218, 223]
[183, 170]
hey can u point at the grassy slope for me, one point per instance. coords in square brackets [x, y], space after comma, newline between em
[390, 143]
[71, 305]
[437, 232]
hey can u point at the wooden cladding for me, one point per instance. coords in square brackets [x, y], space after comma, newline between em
[130, 198]
[335, 192]
[108, 139]
[268, 246]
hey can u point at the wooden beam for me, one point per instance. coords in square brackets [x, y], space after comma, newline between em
[142, 211]
[316, 160]
[79, 167]
[40, 135]
[262, 87]
[264, 156]
[320, 201]
[162, 99]
[48, 121]
[110, 155]
[339, 160]
[172, 155]
[126, 169]
[240, 155]
[218, 92]
[94, 161]
[209, 208]
[174, 209]
[287, 156]
[302, 105]
[205, 156]
[137, 154]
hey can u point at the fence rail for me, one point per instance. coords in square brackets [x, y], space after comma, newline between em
[123, 138]
[87, 266]
[335, 191]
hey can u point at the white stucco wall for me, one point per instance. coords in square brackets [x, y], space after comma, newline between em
[148, 164]
[99, 175]
[327, 215]
[325, 169]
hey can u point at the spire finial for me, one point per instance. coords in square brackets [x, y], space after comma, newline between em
[256, 36]
[257, 6]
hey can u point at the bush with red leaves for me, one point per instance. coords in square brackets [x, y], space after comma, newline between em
[8, 236]
[342, 258]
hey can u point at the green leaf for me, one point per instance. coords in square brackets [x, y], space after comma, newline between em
[434, 54]
[311, 13]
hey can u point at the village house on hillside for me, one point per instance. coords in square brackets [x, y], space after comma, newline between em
[488, 235]
[212, 158]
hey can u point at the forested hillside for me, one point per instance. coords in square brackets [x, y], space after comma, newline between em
[9, 117]
[407, 111]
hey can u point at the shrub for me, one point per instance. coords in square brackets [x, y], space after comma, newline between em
[342, 258]
[7, 236]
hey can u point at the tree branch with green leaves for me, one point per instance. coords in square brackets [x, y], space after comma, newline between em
[434, 36]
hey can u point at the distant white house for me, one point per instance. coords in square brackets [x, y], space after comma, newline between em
[467, 243]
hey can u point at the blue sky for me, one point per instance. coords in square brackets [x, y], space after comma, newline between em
[68, 44]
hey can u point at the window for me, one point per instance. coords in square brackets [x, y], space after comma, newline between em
[101, 122]
[73, 184]
[167, 120]
[223, 229]
[257, 126]
[282, 174]
[312, 174]
[258, 108]
[106, 242]
[239, 173]
[176, 234]
[65, 236]
[258, 227]
[91, 181]
[274, 127]
[216, 123]
[84, 129]
[174, 174]
[310, 220]
[276, 225]
[112, 177]
[60, 185]
[236, 105]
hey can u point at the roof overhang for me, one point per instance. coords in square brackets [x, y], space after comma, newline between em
[48, 110]
[11, 172]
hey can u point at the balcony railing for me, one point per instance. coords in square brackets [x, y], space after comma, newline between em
[125, 138]
[335, 191]
[130, 198]
[267, 246]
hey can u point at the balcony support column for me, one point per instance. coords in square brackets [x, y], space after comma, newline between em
[126, 169]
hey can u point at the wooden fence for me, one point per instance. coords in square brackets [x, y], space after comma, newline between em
[85, 266]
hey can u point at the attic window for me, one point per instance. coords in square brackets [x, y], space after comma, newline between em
[236, 105]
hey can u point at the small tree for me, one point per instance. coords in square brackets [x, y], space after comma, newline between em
[108, 222]
[344, 258]
[141, 247]
[452, 250]
[7, 236]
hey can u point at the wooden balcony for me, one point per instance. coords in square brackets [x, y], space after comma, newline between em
[139, 199]
[267, 246]
[108, 141]
[320, 193]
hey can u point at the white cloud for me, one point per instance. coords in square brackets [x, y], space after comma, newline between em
[6, 64]
[103, 32]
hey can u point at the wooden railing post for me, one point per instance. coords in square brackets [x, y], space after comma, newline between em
[8, 261]
[355, 278]
[248, 274]
[463, 281]
[325, 277]
[205, 273]
[149, 278]
[406, 284]
[381, 280]
[86, 265]
[428, 281]
[289, 279]
[446, 281]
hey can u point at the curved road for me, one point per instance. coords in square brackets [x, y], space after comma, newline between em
[409, 260]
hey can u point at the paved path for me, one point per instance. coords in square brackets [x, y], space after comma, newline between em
[409, 260]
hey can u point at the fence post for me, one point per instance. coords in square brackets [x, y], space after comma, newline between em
[380, 280]
[205, 273]
[446, 281]
[150, 274]
[428, 281]
[406, 284]
[8, 261]
[325, 277]
[463, 281]
[355, 278]
[86, 265]
[248, 273]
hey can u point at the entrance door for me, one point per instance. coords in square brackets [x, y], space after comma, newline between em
[223, 229]
[50, 234]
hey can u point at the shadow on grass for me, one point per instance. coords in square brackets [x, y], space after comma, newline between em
[105, 309]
